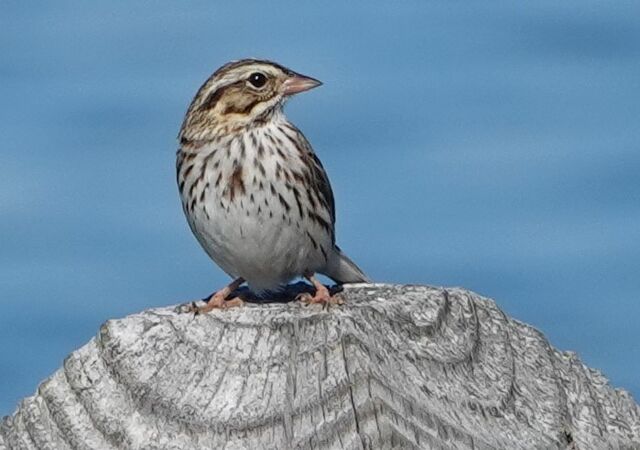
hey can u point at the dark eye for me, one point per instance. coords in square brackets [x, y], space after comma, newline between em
[257, 79]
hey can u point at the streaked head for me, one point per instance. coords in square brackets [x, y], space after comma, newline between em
[239, 94]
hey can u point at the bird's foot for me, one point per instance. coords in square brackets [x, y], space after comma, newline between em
[322, 295]
[309, 299]
[216, 301]
[219, 299]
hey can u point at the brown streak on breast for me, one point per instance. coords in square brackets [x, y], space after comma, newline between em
[313, 241]
[187, 171]
[284, 203]
[293, 141]
[320, 221]
[236, 184]
[257, 163]
[324, 252]
[296, 194]
[310, 196]
[297, 177]
[192, 144]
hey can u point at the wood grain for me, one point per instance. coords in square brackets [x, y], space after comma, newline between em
[411, 367]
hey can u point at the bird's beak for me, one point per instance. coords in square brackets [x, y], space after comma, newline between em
[299, 83]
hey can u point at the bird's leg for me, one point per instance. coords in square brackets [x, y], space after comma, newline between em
[322, 293]
[218, 300]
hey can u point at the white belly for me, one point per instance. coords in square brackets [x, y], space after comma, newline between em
[249, 229]
[266, 253]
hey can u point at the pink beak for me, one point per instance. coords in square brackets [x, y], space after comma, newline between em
[299, 83]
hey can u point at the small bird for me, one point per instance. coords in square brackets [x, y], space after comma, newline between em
[254, 193]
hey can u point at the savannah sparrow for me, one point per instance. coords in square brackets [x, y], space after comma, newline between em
[255, 194]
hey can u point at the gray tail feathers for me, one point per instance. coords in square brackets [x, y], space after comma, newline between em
[342, 270]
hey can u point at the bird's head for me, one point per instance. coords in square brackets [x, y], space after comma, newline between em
[239, 94]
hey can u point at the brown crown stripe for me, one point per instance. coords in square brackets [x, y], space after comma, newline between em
[247, 62]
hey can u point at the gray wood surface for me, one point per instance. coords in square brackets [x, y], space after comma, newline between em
[394, 367]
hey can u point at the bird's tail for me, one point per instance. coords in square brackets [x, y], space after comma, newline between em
[342, 270]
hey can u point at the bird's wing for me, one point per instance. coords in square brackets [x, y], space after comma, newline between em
[322, 185]
[317, 181]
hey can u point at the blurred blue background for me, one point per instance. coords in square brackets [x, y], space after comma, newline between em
[491, 145]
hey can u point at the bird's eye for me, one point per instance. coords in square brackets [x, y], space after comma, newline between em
[257, 79]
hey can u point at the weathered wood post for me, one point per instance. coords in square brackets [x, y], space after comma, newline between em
[394, 367]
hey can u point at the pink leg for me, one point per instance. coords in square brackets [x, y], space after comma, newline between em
[218, 300]
[322, 293]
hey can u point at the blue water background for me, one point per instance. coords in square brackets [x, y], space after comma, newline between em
[490, 145]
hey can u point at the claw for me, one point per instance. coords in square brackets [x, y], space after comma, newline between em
[322, 295]
[237, 301]
[304, 297]
[218, 300]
